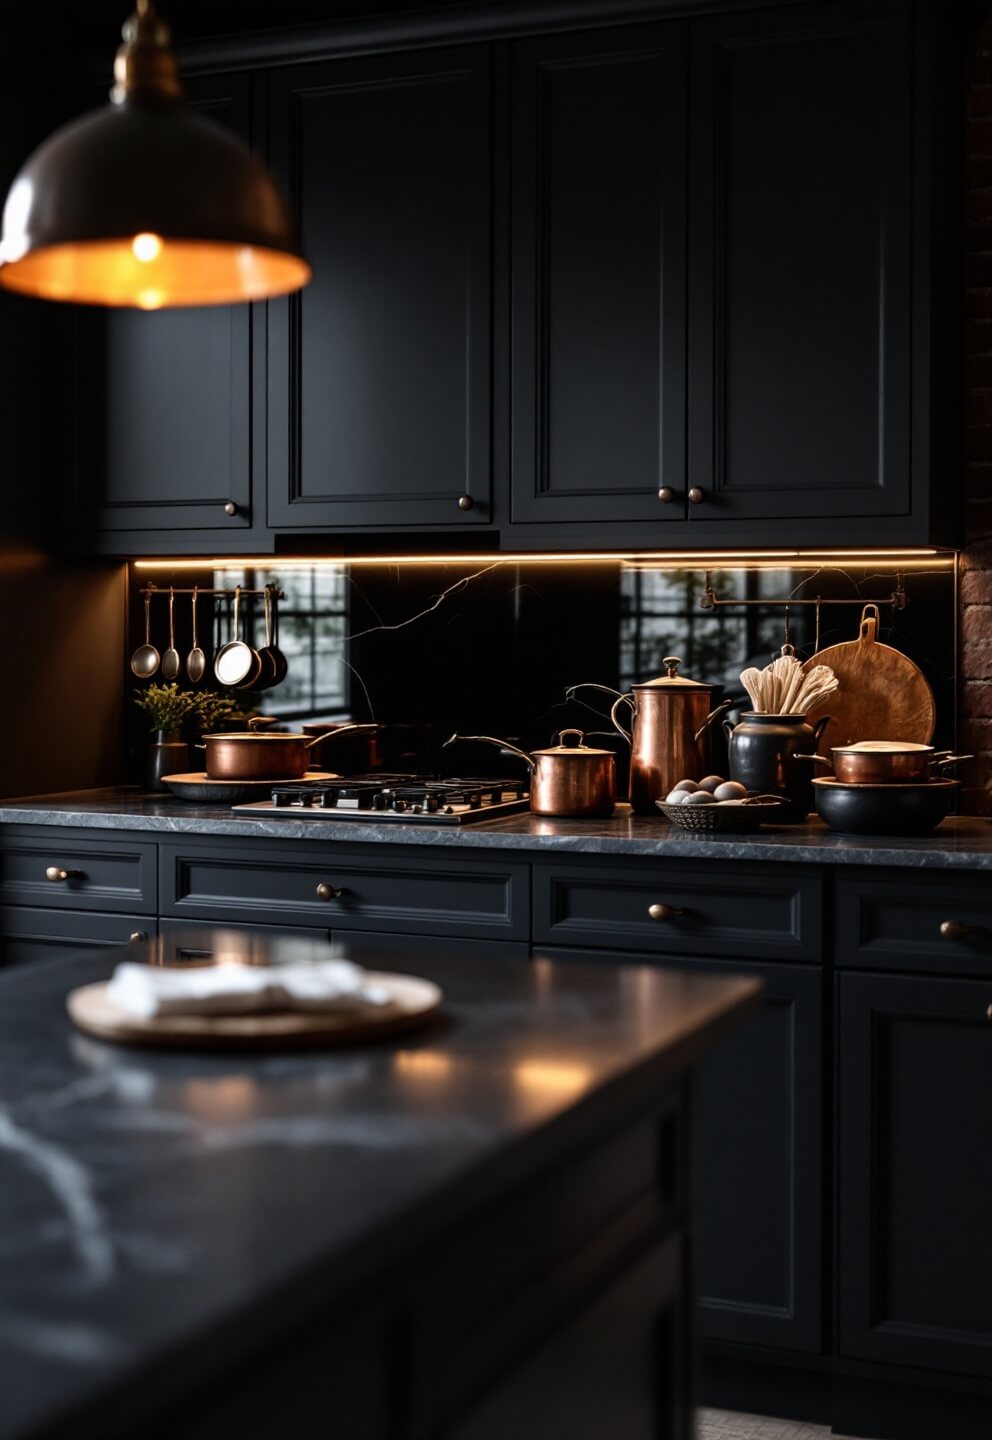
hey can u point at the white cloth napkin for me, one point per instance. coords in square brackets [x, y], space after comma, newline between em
[147, 991]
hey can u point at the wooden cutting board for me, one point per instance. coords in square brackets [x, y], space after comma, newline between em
[882, 695]
[413, 1002]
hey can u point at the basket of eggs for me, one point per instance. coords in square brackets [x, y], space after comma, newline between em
[715, 806]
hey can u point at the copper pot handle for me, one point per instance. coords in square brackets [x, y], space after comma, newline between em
[339, 730]
[713, 715]
[623, 700]
[817, 759]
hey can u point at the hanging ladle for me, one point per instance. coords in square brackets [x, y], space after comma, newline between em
[196, 661]
[144, 661]
[171, 663]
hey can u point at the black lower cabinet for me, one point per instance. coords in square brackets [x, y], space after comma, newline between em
[28, 935]
[759, 1166]
[759, 1163]
[915, 1196]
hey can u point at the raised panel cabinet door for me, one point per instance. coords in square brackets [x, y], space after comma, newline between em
[915, 1118]
[759, 1169]
[162, 432]
[28, 936]
[598, 276]
[379, 371]
[799, 263]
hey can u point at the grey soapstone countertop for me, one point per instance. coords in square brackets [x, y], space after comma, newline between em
[167, 1216]
[963, 843]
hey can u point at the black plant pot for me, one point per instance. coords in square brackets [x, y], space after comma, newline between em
[168, 754]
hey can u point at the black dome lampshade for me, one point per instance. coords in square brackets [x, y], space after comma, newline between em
[146, 204]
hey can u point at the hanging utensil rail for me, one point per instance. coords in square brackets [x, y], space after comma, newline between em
[273, 590]
[898, 599]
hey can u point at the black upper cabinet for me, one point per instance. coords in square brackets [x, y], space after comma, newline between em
[799, 265]
[915, 1077]
[379, 371]
[162, 434]
[598, 276]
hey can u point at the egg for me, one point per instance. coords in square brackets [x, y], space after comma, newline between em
[731, 790]
[711, 783]
[687, 785]
[699, 797]
[676, 797]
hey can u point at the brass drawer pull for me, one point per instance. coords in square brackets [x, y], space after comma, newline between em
[137, 936]
[956, 930]
[57, 874]
[666, 494]
[328, 892]
[665, 912]
[988, 1013]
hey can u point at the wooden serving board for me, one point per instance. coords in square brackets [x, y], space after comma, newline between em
[882, 695]
[413, 1002]
[199, 789]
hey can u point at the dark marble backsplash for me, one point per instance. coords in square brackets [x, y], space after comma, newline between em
[493, 648]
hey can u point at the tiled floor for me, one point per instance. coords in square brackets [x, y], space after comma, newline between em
[731, 1425]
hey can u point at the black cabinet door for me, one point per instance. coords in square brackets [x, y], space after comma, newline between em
[759, 1160]
[598, 276]
[28, 935]
[162, 432]
[915, 1116]
[799, 264]
[759, 1169]
[379, 371]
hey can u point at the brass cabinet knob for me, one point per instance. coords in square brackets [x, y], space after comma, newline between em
[695, 495]
[465, 502]
[56, 873]
[666, 494]
[665, 912]
[328, 892]
[956, 930]
[988, 1013]
[137, 936]
[230, 508]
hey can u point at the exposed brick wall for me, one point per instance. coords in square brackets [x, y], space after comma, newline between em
[976, 578]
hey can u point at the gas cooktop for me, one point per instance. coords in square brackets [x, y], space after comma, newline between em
[379, 798]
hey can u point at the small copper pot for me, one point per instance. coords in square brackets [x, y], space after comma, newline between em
[274, 755]
[573, 780]
[887, 762]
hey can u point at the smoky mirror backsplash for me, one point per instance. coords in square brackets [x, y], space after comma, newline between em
[493, 648]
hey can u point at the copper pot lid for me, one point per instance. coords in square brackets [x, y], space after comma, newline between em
[883, 747]
[576, 747]
[254, 735]
[672, 680]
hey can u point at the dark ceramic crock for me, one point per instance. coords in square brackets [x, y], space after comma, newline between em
[768, 754]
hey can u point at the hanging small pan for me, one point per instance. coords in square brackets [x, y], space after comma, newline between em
[235, 661]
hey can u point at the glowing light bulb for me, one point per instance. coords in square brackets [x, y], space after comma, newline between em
[146, 247]
[149, 299]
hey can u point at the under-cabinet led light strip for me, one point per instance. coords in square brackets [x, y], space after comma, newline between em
[920, 557]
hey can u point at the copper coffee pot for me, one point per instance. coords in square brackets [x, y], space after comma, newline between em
[670, 735]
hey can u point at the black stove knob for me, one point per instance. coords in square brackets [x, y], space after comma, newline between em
[328, 800]
[431, 804]
[280, 799]
[306, 798]
[449, 809]
[399, 806]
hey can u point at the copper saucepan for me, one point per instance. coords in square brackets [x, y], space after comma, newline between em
[887, 762]
[572, 780]
[275, 755]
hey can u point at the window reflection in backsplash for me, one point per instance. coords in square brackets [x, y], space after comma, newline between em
[493, 648]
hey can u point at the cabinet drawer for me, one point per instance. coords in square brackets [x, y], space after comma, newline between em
[29, 935]
[941, 925]
[100, 874]
[366, 890]
[739, 910]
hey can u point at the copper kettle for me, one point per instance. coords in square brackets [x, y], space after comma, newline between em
[670, 734]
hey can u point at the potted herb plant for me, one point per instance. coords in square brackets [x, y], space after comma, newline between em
[166, 708]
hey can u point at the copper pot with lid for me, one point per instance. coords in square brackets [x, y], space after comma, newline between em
[670, 734]
[258, 754]
[568, 779]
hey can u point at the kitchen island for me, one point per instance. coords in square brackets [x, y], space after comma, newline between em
[405, 1239]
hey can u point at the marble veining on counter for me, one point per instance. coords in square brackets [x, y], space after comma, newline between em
[959, 844]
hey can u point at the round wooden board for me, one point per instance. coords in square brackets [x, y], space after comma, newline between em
[882, 695]
[413, 1002]
[199, 789]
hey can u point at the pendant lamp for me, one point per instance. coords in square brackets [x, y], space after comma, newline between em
[146, 204]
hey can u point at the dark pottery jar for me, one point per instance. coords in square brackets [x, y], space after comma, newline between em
[769, 754]
[168, 754]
